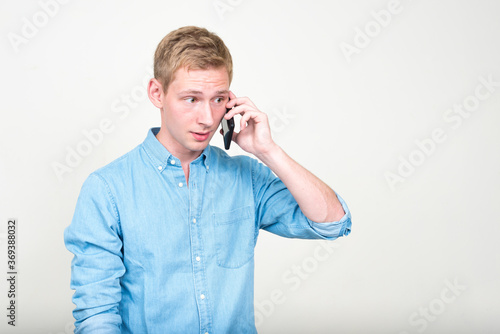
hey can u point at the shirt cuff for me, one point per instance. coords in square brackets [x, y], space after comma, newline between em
[332, 230]
[105, 323]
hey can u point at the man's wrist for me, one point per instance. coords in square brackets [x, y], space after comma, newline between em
[271, 155]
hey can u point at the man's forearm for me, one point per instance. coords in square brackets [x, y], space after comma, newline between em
[317, 201]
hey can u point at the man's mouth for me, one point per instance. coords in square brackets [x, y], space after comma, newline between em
[201, 136]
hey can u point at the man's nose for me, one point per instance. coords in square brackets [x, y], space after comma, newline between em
[205, 115]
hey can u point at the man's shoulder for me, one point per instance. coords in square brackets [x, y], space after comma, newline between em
[120, 165]
[222, 157]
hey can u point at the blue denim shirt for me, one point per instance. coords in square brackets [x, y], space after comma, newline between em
[154, 255]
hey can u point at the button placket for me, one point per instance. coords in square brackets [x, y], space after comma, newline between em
[196, 228]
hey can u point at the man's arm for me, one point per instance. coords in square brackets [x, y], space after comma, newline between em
[316, 200]
[93, 238]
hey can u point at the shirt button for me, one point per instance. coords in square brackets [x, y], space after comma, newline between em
[194, 220]
[198, 258]
[202, 296]
[180, 184]
[160, 167]
[172, 162]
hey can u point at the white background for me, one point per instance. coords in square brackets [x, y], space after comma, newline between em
[351, 120]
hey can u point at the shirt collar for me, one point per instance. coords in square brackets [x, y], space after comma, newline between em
[161, 157]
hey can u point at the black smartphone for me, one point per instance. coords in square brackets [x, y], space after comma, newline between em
[227, 130]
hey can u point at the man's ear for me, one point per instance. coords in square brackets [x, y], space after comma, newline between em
[155, 93]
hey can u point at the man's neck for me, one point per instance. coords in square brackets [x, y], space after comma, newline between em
[185, 157]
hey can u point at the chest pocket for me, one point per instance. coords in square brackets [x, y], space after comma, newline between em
[234, 237]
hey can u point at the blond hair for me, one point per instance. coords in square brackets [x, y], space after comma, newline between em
[191, 47]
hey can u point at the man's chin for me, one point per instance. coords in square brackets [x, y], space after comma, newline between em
[198, 146]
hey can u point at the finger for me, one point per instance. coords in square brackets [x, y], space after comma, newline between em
[231, 103]
[239, 109]
[245, 100]
[237, 101]
[248, 116]
[243, 124]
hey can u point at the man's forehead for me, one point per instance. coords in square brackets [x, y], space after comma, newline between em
[199, 92]
[196, 74]
[200, 81]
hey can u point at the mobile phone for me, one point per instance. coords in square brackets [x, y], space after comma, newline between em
[227, 130]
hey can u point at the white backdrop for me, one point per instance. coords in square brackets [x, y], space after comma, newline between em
[395, 104]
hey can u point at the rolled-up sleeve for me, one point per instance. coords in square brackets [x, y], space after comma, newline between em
[334, 229]
[94, 237]
[278, 212]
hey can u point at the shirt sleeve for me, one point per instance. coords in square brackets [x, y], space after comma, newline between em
[278, 212]
[94, 238]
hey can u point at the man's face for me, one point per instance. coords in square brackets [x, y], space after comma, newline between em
[192, 109]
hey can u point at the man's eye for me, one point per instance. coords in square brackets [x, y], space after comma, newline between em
[219, 99]
[190, 99]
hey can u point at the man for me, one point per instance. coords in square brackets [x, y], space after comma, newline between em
[164, 236]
